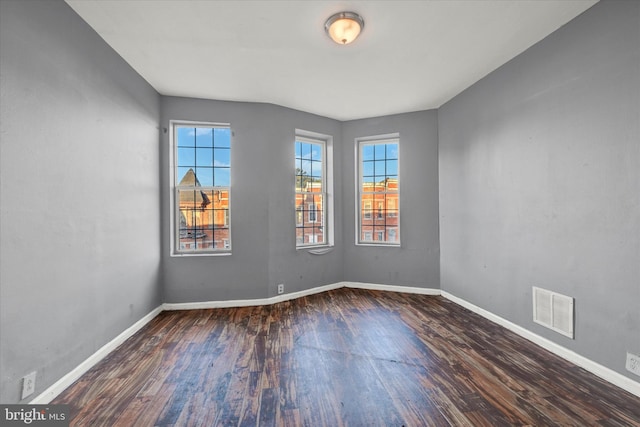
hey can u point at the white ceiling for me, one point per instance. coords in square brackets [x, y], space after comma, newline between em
[412, 55]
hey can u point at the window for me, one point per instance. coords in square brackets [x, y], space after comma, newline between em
[201, 169]
[313, 180]
[378, 193]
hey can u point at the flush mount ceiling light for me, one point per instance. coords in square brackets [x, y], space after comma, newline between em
[344, 27]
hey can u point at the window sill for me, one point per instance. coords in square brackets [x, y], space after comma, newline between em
[206, 254]
[316, 250]
[378, 245]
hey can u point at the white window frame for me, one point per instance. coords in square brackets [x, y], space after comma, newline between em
[327, 213]
[367, 240]
[175, 249]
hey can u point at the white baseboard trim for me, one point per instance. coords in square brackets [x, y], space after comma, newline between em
[391, 288]
[59, 386]
[294, 295]
[250, 302]
[603, 372]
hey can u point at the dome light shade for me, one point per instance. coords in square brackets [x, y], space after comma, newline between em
[344, 27]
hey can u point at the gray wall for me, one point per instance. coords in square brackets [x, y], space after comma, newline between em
[80, 247]
[540, 183]
[262, 207]
[416, 262]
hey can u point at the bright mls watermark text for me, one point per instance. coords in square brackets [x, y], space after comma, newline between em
[34, 415]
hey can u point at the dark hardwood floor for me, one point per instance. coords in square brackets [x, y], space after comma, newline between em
[347, 357]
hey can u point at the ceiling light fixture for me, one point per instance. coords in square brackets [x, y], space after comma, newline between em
[344, 27]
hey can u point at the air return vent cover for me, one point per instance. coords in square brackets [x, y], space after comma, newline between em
[553, 310]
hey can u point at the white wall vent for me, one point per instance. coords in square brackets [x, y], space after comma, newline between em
[553, 310]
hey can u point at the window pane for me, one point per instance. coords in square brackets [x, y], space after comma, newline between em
[185, 137]
[367, 168]
[187, 200]
[204, 177]
[305, 150]
[316, 170]
[186, 157]
[315, 186]
[222, 239]
[204, 219]
[185, 174]
[220, 199]
[204, 137]
[206, 199]
[222, 177]
[204, 157]
[299, 215]
[316, 152]
[305, 167]
[298, 165]
[368, 184]
[367, 152]
[392, 151]
[318, 200]
[392, 167]
[222, 137]
[312, 212]
[221, 157]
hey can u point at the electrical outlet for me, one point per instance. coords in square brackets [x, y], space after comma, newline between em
[28, 384]
[280, 288]
[633, 363]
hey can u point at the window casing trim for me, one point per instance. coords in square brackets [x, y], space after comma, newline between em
[328, 215]
[174, 188]
[390, 138]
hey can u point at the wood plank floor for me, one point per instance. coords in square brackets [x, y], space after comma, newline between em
[347, 357]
